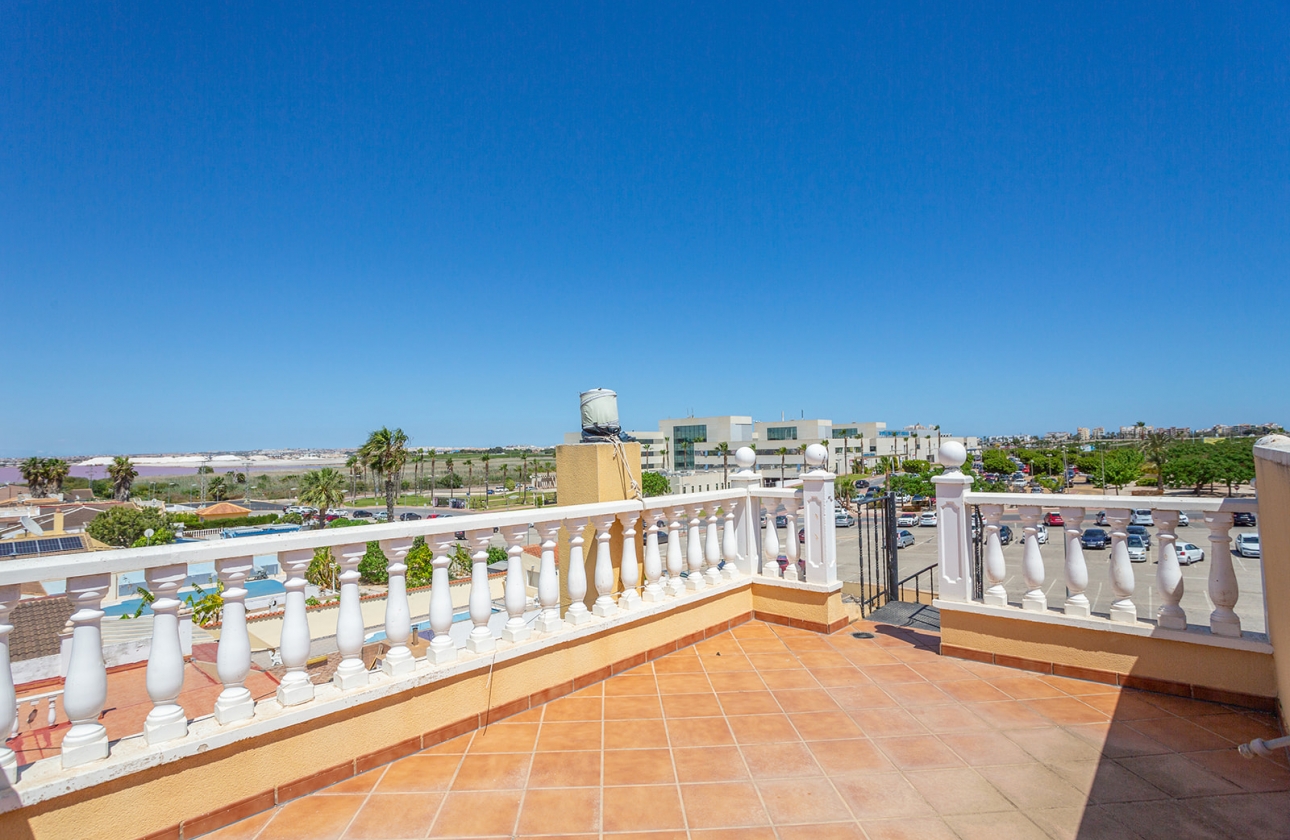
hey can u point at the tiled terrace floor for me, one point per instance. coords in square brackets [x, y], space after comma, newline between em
[768, 732]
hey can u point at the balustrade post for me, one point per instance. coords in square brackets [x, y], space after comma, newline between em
[1122, 579]
[819, 526]
[85, 688]
[481, 638]
[1076, 569]
[675, 552]
[233, 656]
[712, 548]
[516, 590]
[577, 583]
[792, 548]
[1223, 589]
[1032, 562]
[653, 560]
[350, 673]
[694, 551]
[295, 688]
[630, 574]
[1169, 579]
[730, 542]
[747, 530]
[442, 648]
[165, 675]
[9, 596]
[604, 568]
[993, 565]
[770, 543]
[953, 524]
[549, 580]
[398, 659]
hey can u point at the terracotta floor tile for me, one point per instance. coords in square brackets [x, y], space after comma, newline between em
[560, 811]
[709, 764]
[1182, 706]
[491, 771]
[748, 703]
[512, 738]
[313, 818]
[418, 773]
[1009, 714]
[802, 801]
[780, 761]
[823, 660]
[887, 674]
[1177, 776]
[642, 808]
[571, 708]
[1168, 820]
[1252, 774]
[726, 662]
[699, 732]
[1248, 815]
[1025, 688]
[691, 705]
[826, 726]
[684, 684]
[736, 681]
[1065, 710]
[960, 791]
[805, 700]
[681, 662]
[456, 746]
[630, 684]
[774, 661]
[722, 805]
[585, 735]
[1090, 823]
[753, 630]
[1237, 728]
[1031, 786]
[884, 723]
[1180, 735]
[635, 707]
[852, 698]
[913, 694]
[980, 749]
[953, 718]
[1078, 688]
[761, 832]
[593, 690]
[1123, 707]
[395, 816]
[973, 691]
[1012, 826]
[942, 670]
[858, 756]
[822, 831]
[926, 828]
[770, 644]
[1104, 781]
[362, 783]
[724, 644]
[762, 729]
[565, 769]
[787, 680]
[836, 677]
[638, 767]
[527, 716]
[881, 796]
[245, 829]
[1117, 740]
[1052, 745]
[641, 734]
[478, 814]
[918, 752]
[649, 835]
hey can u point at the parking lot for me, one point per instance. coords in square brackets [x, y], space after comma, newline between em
[1249, 572]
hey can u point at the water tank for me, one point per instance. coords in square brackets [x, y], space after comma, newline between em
[599, 414]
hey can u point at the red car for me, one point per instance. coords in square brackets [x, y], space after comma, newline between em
[1053, 518]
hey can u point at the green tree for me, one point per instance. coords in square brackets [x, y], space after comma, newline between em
[323, 489]
[655, 484]
[207, 607]
[34, 473]
[996, 461]
[433, 455]
[782, 452]
[1234, 462]
[217, 489]
[917, 466]
[123, 526]
[374, 566]
[723, 449]
[56, 471]
[1155, 450]
[160, 536]
[485, 459]
[323, 571]
[385, 453]
[419, 561]
[1123, 466]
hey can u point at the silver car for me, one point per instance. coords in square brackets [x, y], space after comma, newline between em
[1137, 549]
[904, 538]
[1247, 545]
[1141, 517]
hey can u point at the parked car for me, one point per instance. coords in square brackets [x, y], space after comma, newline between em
[408, 516]
[842, 519]
[1188, 553]
[1005, 535]
[1244, 519]
[1137, 549]
[907, 517]
[1100, 519]
[361, 514]
[928, 518]
[1140, 531]
[1247, 545]
[1141, 516]
[1183, 521]
[381, 516]
[340, 513]
[904, 538]
[1053, 518]
[861, 484]
[1041, 534]
[1094, 538]
[781, 521]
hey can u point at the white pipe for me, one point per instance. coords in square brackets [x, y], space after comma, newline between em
[1264, 748]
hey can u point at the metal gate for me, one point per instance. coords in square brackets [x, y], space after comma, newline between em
[879, 572]
[978, 534]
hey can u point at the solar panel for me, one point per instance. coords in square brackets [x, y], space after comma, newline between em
[70, 544]
[28, 547]
[6, 549]
[47, 546]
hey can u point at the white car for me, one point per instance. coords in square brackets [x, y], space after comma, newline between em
[1247, 545]
[1188, 553]
[842, 519]
[1041, 534]
[907, 518]
[1141, 517]
[1138, 550]
[1183, 521]
[928, 518]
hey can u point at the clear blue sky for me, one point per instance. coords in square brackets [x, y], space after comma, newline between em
[239, 226]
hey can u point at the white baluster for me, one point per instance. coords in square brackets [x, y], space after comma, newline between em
[233, 657]
[481, 638]
[577, 583]
[516, 592]
[295, 687]
[165, 675]
[549, 580]
[398, 659]
[675, 552]
[1169, 579]
[85, 689]
[770, 544]
[630, 573]
[1223, 589]
[1032, 562]
[51, 717]
[694, 551]
[730, 543]
[653, 560]
[712, 548]
[1122, 579]
[993, 564]
[1076, 569]
[9, 596]
[792, 548]
[604, 577]
[442, 648]
[350, 673]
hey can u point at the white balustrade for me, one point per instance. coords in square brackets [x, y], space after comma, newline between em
[516, 630]
[653, 561]
[9, 596]
[1032, 561]
[481, 638]
[1076, 568]
[730, 542]
[296, 687]
[675, 552]
[1121, 568]
[694, 551]
[712, 548]
[350, 673]
[85, 688]
[770, 543]
[604, 574]
[577, 583]
[992, 563]
[398, 659]
[1169, 579]
[165, 675]
[1223, 589]
[819, 525]
[233, 657]
[442, 648]
[630, 573]
[549, 580]
[792, 546]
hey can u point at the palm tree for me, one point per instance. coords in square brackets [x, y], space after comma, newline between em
[323, 489]
[123, 474]
[217, 489]
[56, 471]
[666, 440]
[845, 459]
[1155, 450]
[801, 450]
[35, 474]
[386, 452]
[433, 455]
[486, 458]
[355, 470]
[452, 491]
[470, 474]
[524, 471]
[723, 449]
[645, 448]
[782, 452]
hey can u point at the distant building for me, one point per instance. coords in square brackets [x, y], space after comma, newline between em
[222, 510]
[1082, 433]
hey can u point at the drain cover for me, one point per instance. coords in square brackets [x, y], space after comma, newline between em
[862, 635]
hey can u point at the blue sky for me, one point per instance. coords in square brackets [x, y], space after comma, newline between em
[237, 226]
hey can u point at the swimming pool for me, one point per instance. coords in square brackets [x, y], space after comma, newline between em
[254, 589]
[423, 627]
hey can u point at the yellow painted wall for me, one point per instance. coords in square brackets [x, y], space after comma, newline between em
[1273, 482]
[588, 473]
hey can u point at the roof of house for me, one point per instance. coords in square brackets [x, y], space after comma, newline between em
[223, 509]
[36, 625]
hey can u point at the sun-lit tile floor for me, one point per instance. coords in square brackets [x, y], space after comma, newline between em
[769, 732]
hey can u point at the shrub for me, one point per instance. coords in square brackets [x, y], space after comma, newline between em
[124, 526]
[323, 570]
[374, 567]
[655, 484]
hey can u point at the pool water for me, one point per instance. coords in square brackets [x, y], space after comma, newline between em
[254, 589]
[424, 630]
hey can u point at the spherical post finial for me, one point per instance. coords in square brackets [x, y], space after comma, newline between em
[745, 458]
[816, 455]
[952, 454]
